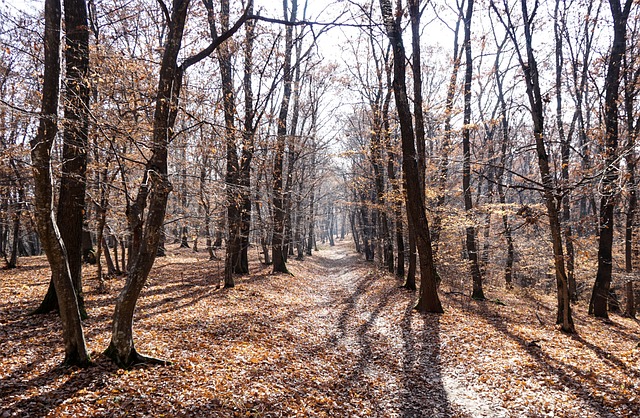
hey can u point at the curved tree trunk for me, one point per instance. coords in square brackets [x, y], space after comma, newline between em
[154, 190]
[71, 202]
[73, 335]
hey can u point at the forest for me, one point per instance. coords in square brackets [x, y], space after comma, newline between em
[342, 208]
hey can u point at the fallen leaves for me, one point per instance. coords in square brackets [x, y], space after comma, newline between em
[337, 339]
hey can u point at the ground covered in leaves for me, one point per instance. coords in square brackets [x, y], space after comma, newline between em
[337, 338]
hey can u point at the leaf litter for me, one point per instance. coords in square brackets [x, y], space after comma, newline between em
[338, 338]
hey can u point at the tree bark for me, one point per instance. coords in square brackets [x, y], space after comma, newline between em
[73, 335]
[598, 305]
[471, 244]
[428, 300]
[565, 145]
[154, 190]
[530, 70]
[278, 242]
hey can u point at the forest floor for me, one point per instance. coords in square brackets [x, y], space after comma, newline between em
[338, 338]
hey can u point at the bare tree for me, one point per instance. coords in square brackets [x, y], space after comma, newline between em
[598, 305]
[529, 67]
[428, 300]
[75, 346]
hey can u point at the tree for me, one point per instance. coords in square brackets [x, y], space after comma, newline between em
[71, 201]
[73, 334]
[278, 242]
[529, 67]
[153, 191]
[598, 306]
[471, 244]
[428, 300]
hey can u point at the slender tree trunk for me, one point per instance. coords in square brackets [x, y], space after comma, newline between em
[504, 124]
[278, 242]
[471, 244]
[631, 80]
[248, 146]
[601, 288]
[565, 144]
[530, 70]
[446, 143]
[428, 300]
[232, 176]
[13, 260]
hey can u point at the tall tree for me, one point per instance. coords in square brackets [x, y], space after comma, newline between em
[428, 300]
[529, 66]
[278, 242]
[631, 88]
[598, 305]
[565, 145]
[153, 192]
[71, 201]
[471, 244]
[73, 335]
[234, 244]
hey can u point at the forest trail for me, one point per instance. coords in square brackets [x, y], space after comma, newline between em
[396, 352]
[338, 338]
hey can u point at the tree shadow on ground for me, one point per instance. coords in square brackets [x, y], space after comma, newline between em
[593, 390]
[43, 401]
[421, 367]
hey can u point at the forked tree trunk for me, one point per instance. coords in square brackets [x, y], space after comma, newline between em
[397, 192]
[73, 335]
[153, 192]
[428, 300]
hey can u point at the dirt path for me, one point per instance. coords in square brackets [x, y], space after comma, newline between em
[394, 351]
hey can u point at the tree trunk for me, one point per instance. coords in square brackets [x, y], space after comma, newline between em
[248, 146]
[504, 124]
[600, 295]
[565, 145]
[530, 70]
[154, 190]
[73, 335]
[428, 300]
[471, 244]
[633, 127]
[13, 260]
[278, 242]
